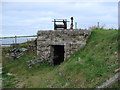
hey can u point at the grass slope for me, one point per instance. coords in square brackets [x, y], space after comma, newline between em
[88, 68]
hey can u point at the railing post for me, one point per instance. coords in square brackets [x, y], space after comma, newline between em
[15, 41]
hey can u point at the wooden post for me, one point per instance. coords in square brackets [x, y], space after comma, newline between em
[71, 25]
[54, 25]
[98, 25]
[75, 25]
[15, 41]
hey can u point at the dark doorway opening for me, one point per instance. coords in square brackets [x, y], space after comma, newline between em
[58, 54]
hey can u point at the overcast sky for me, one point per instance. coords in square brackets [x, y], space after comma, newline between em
[26, 18]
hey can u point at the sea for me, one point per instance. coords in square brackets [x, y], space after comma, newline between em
[12, 40]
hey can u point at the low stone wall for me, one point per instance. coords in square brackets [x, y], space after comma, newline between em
[72, 40]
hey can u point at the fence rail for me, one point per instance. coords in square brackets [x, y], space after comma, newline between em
[18, 37]
[9, 44]
[15, 40]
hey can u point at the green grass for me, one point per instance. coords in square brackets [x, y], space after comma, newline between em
[98, 60]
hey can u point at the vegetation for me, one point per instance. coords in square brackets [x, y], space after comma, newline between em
[88, 68]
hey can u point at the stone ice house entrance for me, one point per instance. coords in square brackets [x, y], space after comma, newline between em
[55, 46]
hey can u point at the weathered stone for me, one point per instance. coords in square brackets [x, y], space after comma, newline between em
[72, 40]
[32, 62]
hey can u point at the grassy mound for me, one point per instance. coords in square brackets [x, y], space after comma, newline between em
[88, 68]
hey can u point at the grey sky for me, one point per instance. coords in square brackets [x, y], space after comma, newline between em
[26, 18]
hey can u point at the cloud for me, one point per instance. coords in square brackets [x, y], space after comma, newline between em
[33, 16]
[31, 13]
[35, 20]
[59, 0]
[27, 22]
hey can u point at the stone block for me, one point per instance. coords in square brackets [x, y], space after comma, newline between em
[71, 39]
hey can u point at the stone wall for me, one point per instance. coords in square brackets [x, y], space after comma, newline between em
[72, 40]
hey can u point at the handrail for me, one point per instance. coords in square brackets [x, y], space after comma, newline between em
[17, 36]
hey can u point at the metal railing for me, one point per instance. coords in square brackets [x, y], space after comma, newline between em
[15, 40]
